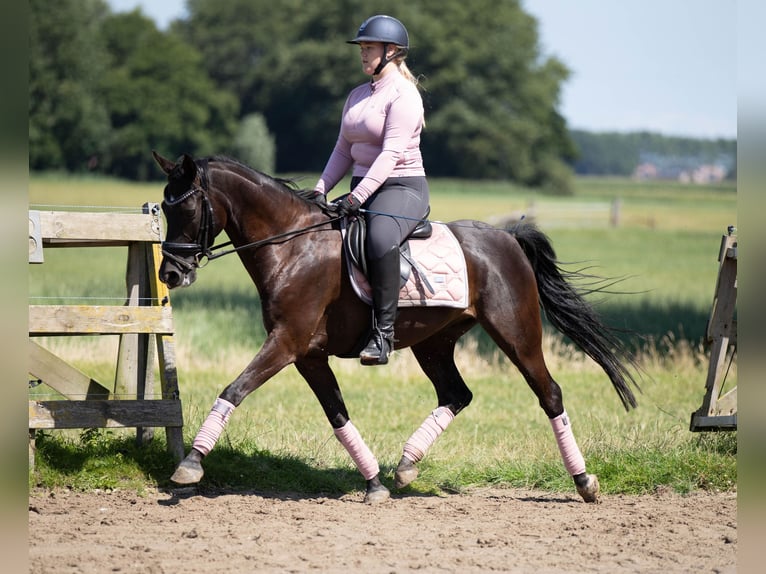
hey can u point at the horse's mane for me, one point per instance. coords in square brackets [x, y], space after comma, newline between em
[260, 178]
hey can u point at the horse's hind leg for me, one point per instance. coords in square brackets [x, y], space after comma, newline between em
[436, 357]
[521, 341]
[323, 383]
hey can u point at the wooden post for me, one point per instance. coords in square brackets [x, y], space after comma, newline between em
[719, 409]
[615, 212]
[144, 324]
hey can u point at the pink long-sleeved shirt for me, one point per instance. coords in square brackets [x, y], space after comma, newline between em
[379, 136]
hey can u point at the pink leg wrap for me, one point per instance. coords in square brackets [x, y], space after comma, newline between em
[213, 426]
[360, 453]
[422, 439]
[570, 452]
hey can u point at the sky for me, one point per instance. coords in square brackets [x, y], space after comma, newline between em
[665, 66]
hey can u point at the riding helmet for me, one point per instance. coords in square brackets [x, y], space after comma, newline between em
[381, 28]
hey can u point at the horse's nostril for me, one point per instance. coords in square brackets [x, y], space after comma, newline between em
[171, 278]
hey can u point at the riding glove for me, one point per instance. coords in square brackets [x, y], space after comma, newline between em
[347, 205]
[320, 198]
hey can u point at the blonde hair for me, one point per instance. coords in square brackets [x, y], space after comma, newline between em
[405, 71]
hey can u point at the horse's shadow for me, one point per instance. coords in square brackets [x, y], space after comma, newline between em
[290, 479]
[266, 475]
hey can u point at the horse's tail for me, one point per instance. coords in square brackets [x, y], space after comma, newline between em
[569, 312]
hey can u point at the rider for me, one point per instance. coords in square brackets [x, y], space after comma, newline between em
[380, 138]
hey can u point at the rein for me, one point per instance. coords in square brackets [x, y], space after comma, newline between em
[209, 255]
[201, 250]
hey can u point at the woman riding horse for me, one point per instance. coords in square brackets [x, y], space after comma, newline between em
[380, 138]
[311, 311]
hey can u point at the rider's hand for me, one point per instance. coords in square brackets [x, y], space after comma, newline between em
[347, 205]
[320, 198]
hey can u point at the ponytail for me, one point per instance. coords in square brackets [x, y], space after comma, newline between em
[405, 71]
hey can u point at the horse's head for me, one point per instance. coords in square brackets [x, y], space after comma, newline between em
[190, 221]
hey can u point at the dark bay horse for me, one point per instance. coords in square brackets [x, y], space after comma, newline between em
[292, 250]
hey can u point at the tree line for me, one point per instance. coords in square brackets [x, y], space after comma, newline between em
[265, 82]
[614, 153]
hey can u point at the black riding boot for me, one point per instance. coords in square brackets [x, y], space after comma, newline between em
[384, 279]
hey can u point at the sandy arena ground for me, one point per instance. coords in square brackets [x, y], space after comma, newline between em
[497, 530]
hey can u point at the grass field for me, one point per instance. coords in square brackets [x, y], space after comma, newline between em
[665, 249]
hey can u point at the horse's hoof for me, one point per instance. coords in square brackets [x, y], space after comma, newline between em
[406, 472]
[377, 495]
[188, 472]
[589, 491]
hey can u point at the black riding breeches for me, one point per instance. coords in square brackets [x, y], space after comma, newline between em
[393, 211]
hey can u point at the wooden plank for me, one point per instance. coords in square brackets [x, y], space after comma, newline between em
[80, 226]
[725, 294]
[726, 405]
[35, 238]
[104, 414]
[724, 303]
[702, 423]
[61, 376]
[98, 319]
[140, 328]
[166, 353]
[719, 412]
[132, 345]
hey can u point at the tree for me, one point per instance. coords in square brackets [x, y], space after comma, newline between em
[68, 121]
[104, 90]
[490, 97]
[254, 145]
[159, 96]
[107, 89]
[615, 153]
[287, 61]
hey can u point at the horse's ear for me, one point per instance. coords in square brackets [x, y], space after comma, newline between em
[165, 164]
[190, 168]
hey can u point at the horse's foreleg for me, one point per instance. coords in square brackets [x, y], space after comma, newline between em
[365, 461]
[190, 470]
[269, 361]
[436, 357]
[323, 383]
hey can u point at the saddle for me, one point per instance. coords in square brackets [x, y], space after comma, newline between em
[356, 235]
[440, 275]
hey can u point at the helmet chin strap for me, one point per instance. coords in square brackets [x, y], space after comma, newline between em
[383, 61]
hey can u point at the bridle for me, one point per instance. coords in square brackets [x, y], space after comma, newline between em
[202, 247]
[202, 250]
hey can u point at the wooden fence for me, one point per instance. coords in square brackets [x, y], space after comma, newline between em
[572, 214]
[144, 325]
[719, 404]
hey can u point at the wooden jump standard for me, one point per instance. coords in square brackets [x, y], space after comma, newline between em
[719, 408]
[144, 325]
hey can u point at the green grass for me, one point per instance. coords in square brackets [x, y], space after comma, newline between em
[278, 439]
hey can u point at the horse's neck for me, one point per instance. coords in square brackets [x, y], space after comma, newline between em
[254, 211]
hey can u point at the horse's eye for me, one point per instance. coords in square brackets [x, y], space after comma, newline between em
[188, 207]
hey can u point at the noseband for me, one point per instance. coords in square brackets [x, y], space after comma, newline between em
[201, 248]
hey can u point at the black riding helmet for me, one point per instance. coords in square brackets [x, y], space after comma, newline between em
[385, 29]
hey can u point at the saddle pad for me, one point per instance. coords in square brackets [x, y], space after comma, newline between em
[442, 261]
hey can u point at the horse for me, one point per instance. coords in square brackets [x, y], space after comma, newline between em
[291, 246]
